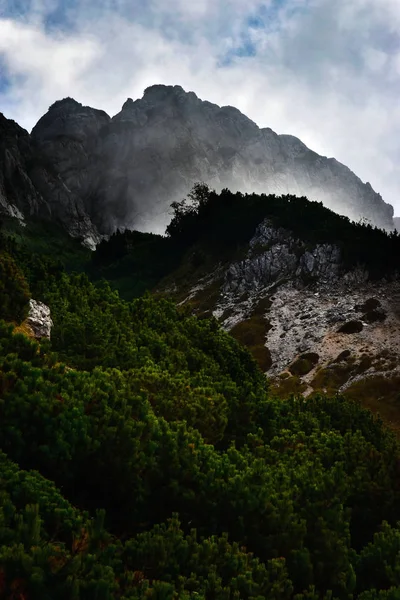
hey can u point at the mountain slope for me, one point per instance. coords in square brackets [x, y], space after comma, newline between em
[95, 173]
[142, 456]
[314, 297]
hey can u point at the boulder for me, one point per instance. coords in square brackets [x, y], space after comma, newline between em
[39, 319]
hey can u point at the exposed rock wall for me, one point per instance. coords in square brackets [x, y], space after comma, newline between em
[31, 186]
[274, 255]
[39, 319]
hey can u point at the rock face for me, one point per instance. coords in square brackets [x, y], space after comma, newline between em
[275, 255]
[67, 138]
[95, 174]
[18, 195]
[31, 187]
[39, 319]
[156, 147]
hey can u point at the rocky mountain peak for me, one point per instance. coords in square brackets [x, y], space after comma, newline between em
[124, 172]
[158, 93]
[128, 104]
[70, 119]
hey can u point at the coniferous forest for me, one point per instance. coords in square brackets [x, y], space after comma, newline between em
[142, 454]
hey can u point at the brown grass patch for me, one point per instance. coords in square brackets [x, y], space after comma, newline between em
[381, 395]
[24, 328]
[304, 364]
[262, 307]
[206, 299]
[345, 355]
[284, 388]
[331, 378]
[252, 333]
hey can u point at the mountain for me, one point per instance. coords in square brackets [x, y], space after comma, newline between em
[205, 439]
[94, 174]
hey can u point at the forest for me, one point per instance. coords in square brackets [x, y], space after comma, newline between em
[143, 455]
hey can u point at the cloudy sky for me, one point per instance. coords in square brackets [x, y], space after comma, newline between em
[327, 71]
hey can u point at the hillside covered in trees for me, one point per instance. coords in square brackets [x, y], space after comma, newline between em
[143, 455]
[207, 228]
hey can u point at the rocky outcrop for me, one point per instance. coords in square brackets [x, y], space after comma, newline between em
[96, 174]
[274, 255]
[39, 319]
[31, 187]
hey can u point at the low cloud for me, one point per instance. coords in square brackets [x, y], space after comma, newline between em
[325, 72]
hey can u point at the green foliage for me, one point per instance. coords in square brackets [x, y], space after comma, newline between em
[252, 334]
[227, 220]
[306, 491]
[14, 290]
[143, 456]
[133, 261]
[379, 562]
[351, 327]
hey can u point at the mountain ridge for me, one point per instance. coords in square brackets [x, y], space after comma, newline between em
[94, 173]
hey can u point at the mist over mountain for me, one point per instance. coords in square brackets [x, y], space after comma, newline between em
[183, 415]
[95, 174]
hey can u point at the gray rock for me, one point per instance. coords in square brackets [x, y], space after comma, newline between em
[285, 258]
[18, 195]
[30, 187]
[39, 319]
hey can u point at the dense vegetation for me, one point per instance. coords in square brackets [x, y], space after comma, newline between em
[135, 261]
[209, 227]
[14, 290]
[142, 456]
[228, 219]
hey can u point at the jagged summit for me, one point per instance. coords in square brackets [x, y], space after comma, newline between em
[71, 119]
[128, 104]
[160, 92]
[68, 101]
[126, 170]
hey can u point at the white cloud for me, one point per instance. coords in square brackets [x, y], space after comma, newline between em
[325, 71]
